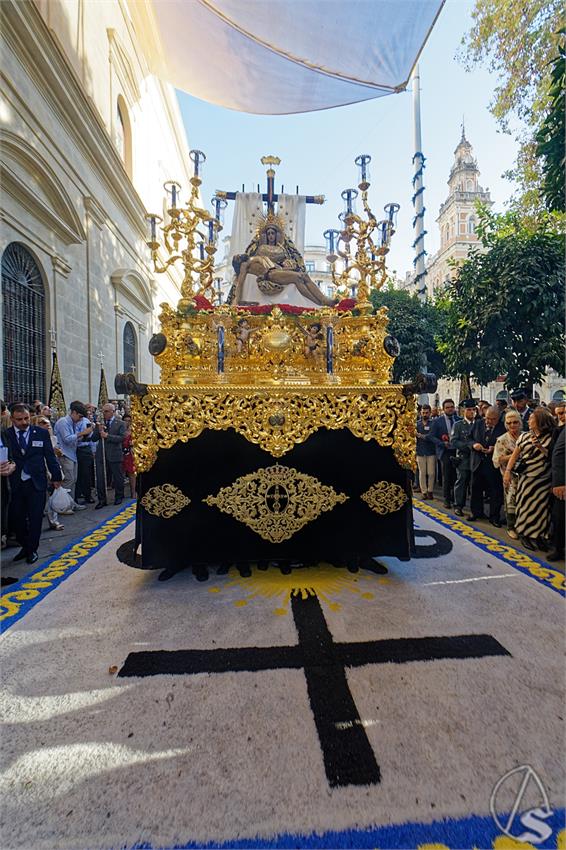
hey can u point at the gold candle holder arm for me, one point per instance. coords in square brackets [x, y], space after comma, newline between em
[161, 268]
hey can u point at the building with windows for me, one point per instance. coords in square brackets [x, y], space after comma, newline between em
[88, 138]
[457, 215]
[319, 269]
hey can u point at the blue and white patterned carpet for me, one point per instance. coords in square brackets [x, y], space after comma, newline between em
[323, 708]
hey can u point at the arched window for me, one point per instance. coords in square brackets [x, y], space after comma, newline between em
[471, 225]
[120, 140]
[470, 185]
[124, 134]
[130, 345]
[23, 325]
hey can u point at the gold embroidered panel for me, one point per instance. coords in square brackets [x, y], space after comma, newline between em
[276, 501]
[274, 419]
[165, 501]
[385, 497]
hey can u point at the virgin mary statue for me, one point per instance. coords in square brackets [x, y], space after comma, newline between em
[272, 271]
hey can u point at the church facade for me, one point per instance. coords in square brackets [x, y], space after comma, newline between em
[89, 136]
[457, 216]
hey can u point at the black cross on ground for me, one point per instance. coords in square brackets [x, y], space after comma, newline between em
[348, 756]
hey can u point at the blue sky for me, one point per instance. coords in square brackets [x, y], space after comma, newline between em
[318, 149]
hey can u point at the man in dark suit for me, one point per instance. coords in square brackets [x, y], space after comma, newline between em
[486, 479]
[110, 435]
[30, 448]
[519, 399]
[558, 490]
[440, 433]
[461, 440]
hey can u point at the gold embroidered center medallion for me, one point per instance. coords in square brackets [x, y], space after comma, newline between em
[276, 501]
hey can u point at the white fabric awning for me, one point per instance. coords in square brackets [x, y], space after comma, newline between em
[277, 57]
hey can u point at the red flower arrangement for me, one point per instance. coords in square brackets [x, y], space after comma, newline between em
[202, 303]
[265, 309]
[346, 304]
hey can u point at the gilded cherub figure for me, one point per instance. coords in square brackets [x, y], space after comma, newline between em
[192, 346]
[313, 339]
[243, 332]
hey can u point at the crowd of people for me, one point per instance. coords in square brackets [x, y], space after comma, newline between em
[51, 466]
[499, 458]
[494, 457]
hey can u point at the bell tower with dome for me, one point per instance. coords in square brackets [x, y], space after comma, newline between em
[457, 217]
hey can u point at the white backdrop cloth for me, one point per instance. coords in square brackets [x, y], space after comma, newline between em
[277, 57]
[247, 210]
[293, 210]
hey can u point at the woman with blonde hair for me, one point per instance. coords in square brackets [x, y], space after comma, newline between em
[531, 459]
[504, 447]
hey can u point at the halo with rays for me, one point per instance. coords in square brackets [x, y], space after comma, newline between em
[323, 580]
[271, 220]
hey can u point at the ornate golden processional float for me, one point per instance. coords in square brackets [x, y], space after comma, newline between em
[275, 433]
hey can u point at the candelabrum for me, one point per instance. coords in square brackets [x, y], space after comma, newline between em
[189, 235]
[364, 266]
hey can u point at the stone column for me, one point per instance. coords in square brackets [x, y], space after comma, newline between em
[119, 312]
[60, 272]
[95, 219]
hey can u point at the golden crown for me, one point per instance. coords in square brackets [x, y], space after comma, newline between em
[271, 220]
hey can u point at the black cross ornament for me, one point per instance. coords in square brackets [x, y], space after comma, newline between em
[347, 753]
[270, 197]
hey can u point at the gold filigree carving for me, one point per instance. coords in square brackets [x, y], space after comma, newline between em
[276, 501]
[276, 420]
[261, 350]
[165, 501]
[385, 497]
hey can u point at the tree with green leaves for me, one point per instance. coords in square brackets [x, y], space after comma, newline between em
[415, 325]
[519, 42]
[550, 138]
[504, 311]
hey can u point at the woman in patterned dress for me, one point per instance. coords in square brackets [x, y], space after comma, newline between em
[532, 499]
[504, 447]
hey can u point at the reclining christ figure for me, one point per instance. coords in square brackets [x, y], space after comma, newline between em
[278, 267]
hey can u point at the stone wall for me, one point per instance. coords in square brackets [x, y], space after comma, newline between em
[89, 137]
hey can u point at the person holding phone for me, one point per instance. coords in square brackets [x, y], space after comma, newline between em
[70, 432]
